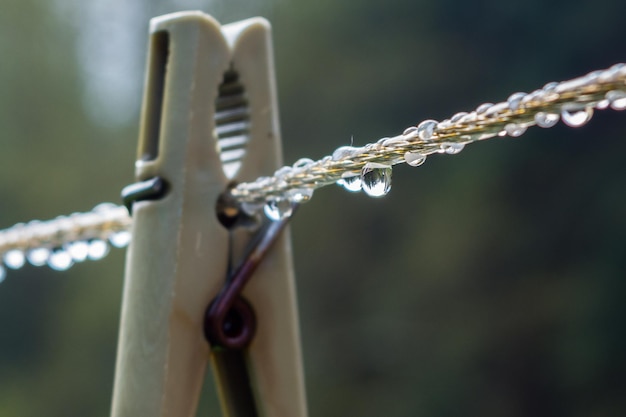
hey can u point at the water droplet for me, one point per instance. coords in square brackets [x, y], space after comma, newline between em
[120, 239]
[280, 172]
[342, 152]
[278, 209]
[514, 100]
[14, 259]
[299, 195]
[376, 179]
[395, 141]
[98, 249]
[426, 129]
[351, 182]
[514, 130]
[546, 120]
[617, 98]
[414, 159]
[411, 132]
[458, 116]
[38, 256]
[78, 250]
[302, 163]
[60, 260]
[610, 74]
[483, 108]
[444, 124]
[452, 148]
[575, 116]
[3, 273]
[538, 96]
[602, 104]
[550, 87]
[592, 77]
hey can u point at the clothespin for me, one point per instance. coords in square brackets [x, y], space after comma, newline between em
[209, 119]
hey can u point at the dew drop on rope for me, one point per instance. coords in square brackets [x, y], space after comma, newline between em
[546, 120]
[483, 108]
[376, 179]
[120, 239]
[410, 132]
[342, 152]
[302, 163]
[514, 100]
[14, 259]
[299, 195]
[603, 104]
[452, 148]
[78, 250]
[350, 182]
[278, 209]
[414, 159]
[514, 130]
[576, 117]
[60, 260]
[38, 256]
[617, 99]
[426, 129]
[98, 249]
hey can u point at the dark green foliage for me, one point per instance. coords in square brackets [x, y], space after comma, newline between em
[486, 284]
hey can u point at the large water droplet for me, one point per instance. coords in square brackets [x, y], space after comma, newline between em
[514, 100]
[546, 120]
[98, 249]
[78, 250]
[376, 179]
[120, 239]
[14, 259]
[617, 99]
[575, 116]
[278, 209]
[38, 256]
[299, 195]
[351, 182]
[60, 260]
[426, 129]
[514, 130]
[414, 159]
[3, 273]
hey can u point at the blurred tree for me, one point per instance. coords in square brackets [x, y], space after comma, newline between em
[486, 283]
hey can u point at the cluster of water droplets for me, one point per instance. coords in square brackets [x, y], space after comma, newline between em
[77, 247]
[62, 242]
[368, 168]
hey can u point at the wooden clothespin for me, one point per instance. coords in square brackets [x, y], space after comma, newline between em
[209, 118]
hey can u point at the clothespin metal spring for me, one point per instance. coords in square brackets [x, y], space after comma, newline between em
[230, 321]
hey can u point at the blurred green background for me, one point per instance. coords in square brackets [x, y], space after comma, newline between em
[486, 284]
